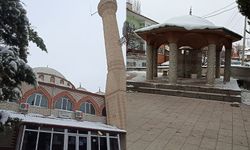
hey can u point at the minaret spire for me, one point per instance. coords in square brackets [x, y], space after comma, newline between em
[190, 11]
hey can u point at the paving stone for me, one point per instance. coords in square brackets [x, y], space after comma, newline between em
[239, 147]
[158, 122]
[240, 140]
[208, 143]
[187, 146]
[223, 146]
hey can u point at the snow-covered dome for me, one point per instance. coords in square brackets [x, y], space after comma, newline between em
[189, 22]
[100, 92]
[49, 71]
[81, 89]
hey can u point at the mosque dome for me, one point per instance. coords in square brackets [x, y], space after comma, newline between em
[49, 71]
[52, 76]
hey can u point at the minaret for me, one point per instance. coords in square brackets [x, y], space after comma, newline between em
[115, 94]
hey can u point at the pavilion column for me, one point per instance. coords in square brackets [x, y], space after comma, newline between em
[217, 72]
[211, 63]
[149, 73]
[199, 64]
[155, 60]
[227, 66]
[173, 55]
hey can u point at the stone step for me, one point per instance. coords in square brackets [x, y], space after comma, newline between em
[185, 88]
[210, 94]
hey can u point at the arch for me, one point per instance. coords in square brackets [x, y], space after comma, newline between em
[103, 108]
[66, 94]
[194, 40]
[38, 89]
[90, 100]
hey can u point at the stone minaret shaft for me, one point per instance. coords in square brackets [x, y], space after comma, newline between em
[115, 94]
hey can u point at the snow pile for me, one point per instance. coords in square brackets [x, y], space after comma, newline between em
[188, 22]
[4, 117]
[40, 119]
[166, 63]
[245, 97]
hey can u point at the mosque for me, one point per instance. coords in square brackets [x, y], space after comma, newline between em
[57, 115]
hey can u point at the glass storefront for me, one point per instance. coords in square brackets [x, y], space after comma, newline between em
[47, 138]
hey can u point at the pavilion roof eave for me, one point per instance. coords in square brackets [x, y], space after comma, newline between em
[148, 32]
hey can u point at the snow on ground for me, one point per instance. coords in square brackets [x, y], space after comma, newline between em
[3, 117]
[40, 119]
[245, 97]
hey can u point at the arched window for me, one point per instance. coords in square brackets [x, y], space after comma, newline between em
[61, 81]
[52, 79]
[41, 77]
[64, 103]
[37, 99]
[87, 108]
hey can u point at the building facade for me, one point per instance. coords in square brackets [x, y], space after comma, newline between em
[57, 116]
[136, 47]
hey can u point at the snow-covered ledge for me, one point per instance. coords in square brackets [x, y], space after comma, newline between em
[51, 120]
[49, 112]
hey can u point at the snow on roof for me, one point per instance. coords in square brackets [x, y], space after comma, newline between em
[40, 119]
[247, 53]
[189, 22]
[48, 70]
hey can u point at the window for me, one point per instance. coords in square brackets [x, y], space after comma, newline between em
[29, 140]
[41, 77]
[87, 108]
[52, 79]
[143, 64]
[36, 138]
[61, 81]
[64, 103]
[38, 99]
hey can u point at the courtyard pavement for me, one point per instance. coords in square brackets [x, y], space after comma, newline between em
[159, 122]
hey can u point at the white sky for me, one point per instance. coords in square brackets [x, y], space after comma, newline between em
[162, 10]
[74, 39]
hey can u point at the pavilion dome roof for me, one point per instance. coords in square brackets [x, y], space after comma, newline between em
[189, 22]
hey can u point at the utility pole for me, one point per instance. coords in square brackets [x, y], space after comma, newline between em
[244, 42]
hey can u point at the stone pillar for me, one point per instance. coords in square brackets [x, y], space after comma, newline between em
[149, 52]
[217, 72]
[115, 94]
[227, 66]
[199, 64]
[211, 64]
[173, 63]
[155, 62]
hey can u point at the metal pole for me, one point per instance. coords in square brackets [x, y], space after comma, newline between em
[244, 42]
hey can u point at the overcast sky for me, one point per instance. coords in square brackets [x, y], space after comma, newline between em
[73, 37]
[162, 10]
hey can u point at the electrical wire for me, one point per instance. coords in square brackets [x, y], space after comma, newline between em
[231, 18]
[220, 12]
[218, 9]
